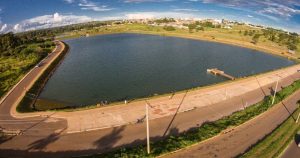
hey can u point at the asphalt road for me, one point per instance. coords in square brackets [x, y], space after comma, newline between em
[244, 136]
[293, 151]
[45, 136]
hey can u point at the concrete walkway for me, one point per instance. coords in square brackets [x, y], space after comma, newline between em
[238, 140]
[63, 134]
[122, 114]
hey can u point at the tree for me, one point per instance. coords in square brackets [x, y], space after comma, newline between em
[246, 33]
[192, 27]
[255, 38]
[169, 28]
[291, 46]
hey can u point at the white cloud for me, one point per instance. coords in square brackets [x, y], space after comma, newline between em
[150, 15]
[249, 16]
[270, 8]
[3, 28]
[186, 10]
[89, 5]
[69, 1]
[139, 16]
[45, 21]
[142, 1]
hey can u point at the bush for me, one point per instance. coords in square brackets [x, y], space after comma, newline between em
[169, 28]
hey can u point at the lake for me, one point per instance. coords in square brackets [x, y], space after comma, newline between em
[126, 66]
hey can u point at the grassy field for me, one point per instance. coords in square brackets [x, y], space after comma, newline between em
[206, 131]
[26, 103]
[274, 144]
[13, 68]
[233, 36]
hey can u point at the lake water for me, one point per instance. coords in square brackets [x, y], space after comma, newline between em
[125, 66]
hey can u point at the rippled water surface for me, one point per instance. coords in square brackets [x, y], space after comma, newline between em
[119, 66]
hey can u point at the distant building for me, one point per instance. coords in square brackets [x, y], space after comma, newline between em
[224, 21]
[291, 51]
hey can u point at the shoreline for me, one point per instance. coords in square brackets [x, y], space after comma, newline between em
[153, 96]
[210, 87]
[247, 45]
[25, 103]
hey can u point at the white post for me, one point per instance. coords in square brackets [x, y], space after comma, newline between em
[147, 122]
[298, 118]
[275, 92]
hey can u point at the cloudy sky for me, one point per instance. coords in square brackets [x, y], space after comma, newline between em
[22, 15]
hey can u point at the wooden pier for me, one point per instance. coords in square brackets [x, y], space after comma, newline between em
[216, 71]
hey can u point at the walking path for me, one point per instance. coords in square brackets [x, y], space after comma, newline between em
[61, 134]
[130, 113]
[238, 140]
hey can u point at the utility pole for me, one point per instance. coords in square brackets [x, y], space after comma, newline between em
[298, 114]
[147, 122]
[298, 118]
[275, 92]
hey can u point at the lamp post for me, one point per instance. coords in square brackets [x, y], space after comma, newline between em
[275, 92]
[298, 114]
[147, 124]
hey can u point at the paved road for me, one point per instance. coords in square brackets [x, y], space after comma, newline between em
[293, 151]
[46, 135]
[48, 139]
[242, 137]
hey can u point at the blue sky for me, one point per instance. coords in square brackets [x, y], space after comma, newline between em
[22, 15]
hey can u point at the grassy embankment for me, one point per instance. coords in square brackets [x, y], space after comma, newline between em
[28, 100]
[234, 36]
[14, 67]
[206, 131]
[275, 143]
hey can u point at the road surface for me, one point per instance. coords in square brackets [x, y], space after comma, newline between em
[63, 134]
[238, 140]
[293, 151]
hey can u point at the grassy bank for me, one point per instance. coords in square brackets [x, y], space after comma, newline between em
[274, 144]
[229, 36]
[26, 104]
[206, 131]
[25, 57]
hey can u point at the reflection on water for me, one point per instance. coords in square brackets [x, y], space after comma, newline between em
[123, 66]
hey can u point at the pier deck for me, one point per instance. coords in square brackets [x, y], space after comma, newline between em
[216, 71]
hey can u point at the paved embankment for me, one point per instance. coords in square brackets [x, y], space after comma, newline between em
[205, 98]
[36, 142]
[61, 134]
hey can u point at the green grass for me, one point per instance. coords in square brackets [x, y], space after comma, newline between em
[273, 144]
[26, 104]
[229, 36]
[13, 68]
[206, 131]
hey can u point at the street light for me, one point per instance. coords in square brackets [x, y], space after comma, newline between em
[147, 124]
[299, 112]
[275, 92]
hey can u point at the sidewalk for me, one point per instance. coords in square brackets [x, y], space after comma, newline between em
[238, 140]
[210, 97]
